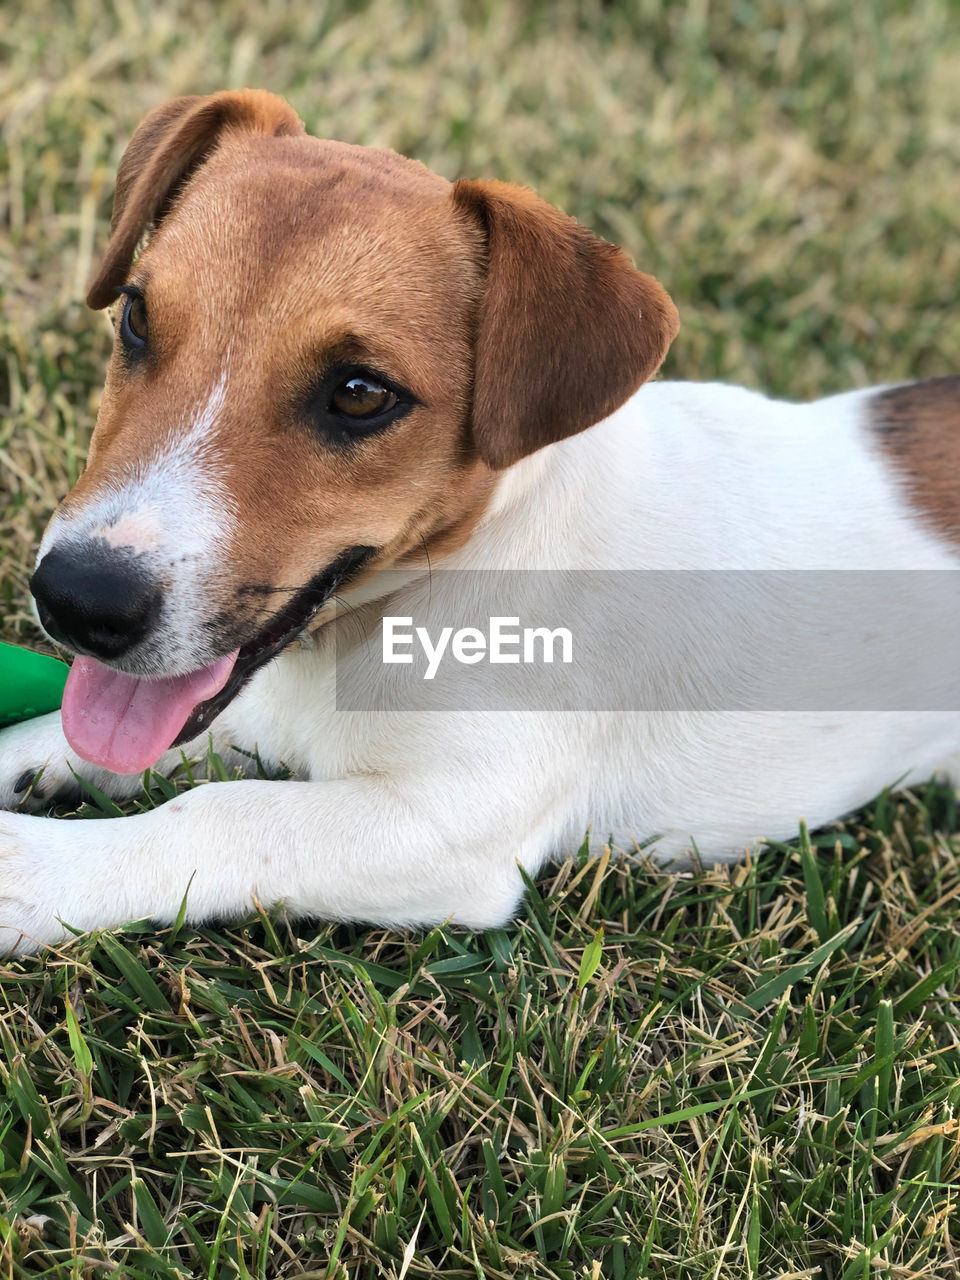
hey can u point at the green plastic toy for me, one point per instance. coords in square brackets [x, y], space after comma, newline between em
[30, 684]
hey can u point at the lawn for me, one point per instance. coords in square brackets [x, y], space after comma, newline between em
[751, 1072]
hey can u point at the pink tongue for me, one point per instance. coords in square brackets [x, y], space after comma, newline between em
[125, 723]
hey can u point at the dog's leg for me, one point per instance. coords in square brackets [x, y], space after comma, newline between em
[38, 767]
[351, 849]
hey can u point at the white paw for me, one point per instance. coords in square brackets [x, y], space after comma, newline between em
[37, 767]
[40, 880]
[36, 764]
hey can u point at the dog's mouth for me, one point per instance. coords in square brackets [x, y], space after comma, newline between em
[124, 723]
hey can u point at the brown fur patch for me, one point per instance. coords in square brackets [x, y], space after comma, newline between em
[569, 329]
[918, 428]
[168, 145]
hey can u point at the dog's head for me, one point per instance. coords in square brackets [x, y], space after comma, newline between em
[323, 357]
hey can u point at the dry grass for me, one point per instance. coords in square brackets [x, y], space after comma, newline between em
[758, 1077]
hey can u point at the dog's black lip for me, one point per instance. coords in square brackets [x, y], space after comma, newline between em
[281, 630]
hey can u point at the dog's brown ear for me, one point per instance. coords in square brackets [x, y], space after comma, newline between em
[167, 147]
[568, 328]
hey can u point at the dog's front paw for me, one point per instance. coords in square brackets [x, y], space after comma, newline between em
[36, 764]
[38, 885]
[38, 768]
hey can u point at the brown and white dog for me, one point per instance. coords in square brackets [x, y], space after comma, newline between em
[328, 361]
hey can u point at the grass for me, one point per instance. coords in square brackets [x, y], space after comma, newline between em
[742, 1073]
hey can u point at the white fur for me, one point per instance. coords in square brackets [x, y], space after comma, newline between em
[413, 818]
[174, 512]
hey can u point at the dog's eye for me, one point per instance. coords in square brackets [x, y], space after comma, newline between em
[352, 403]
[133, 322]
[362, 397]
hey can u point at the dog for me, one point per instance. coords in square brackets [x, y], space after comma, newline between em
[332, 367]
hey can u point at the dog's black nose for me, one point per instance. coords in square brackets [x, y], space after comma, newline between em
[95, 600]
